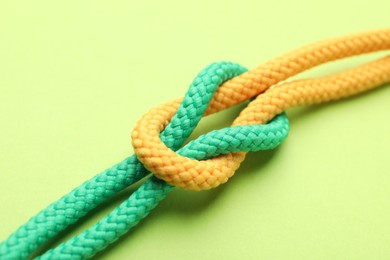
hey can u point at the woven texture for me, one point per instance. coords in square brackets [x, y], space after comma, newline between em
[81, 200]
[194, 175]
[264, 107]
[147, 197]
[46, 224]
[315, 91]
[259, 79]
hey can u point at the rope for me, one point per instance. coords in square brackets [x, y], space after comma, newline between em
[259, 79]
[46, 224]
[154, 190]
[68, 209]
[194, 175]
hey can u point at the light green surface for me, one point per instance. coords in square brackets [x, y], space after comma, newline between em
[76, 76]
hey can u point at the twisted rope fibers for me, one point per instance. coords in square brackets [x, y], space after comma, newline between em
[43, 226]
[259, 79]
[147, 197]
[353, 81]
[77, 203]
[193, 174]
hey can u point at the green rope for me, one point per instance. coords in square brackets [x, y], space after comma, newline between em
[66, 211]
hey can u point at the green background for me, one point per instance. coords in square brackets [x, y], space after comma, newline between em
[77, 75]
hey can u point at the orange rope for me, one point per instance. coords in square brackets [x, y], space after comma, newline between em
[200, 175]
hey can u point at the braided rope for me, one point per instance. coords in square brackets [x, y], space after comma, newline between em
[68, 209]
[194, 175]
[154, 190]
[147, 197]
[315, 91]
[259, 79]
[77, 203]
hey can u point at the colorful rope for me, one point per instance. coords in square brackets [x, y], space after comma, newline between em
[192, 174]
[67, 210]
[230, 145]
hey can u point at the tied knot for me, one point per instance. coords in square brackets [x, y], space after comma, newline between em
[176, 127]
[213, 158]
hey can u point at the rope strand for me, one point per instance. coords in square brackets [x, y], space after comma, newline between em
[230, 145]
[191, 174]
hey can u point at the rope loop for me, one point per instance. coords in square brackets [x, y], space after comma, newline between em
[177, 119]
[226, 84]
[202, 175]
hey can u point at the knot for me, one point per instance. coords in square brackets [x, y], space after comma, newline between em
[230, 143]
[164, 129]
[52, 220]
